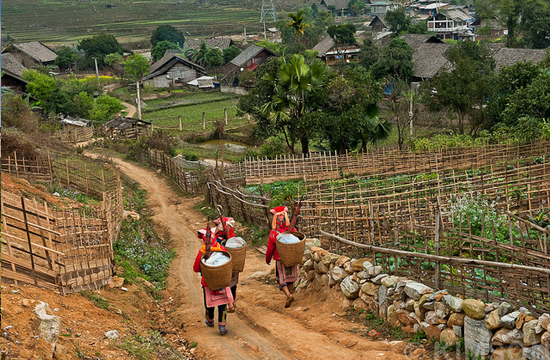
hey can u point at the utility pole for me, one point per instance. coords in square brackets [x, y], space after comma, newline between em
[96, 70]
[138, 100]
[245, 34]
[265, 32]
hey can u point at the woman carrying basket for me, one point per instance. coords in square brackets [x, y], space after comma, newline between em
[223, 233]
[216, 297]
[285, 276]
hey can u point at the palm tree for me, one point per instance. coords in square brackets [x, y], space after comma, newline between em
[294, 80]
[298, 24]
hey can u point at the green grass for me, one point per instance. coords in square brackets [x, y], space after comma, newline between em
[132, 21]
[192, 117]
[186, 99]
[97, 299]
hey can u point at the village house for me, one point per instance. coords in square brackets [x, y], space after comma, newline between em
[125, 128]
[380, 8]
[172, 70]
[328, 52]
[512, 56]
[32, 54]
[451, 24]
[12, 73]
[336, 6]
[377, 25]
[428, 55]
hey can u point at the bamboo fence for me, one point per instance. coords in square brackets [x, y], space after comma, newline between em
[253, 209]
[64, 250]
[76, 135]
[487, 267]
[380, 161]
[190, 182]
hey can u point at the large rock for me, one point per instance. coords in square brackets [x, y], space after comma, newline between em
[509, 320]
[504, 309]
[474, 308]
[508, 353]
[360, 304]
[530, 336]
[391, 316]
[357, 265]
[367, 265]
[507, 337]
[545, 339]
[327, 260]
[378, 278]
[449, 337]
[441, 310]
[342, 260]
[456, 319]
[363, 275]
[407, 318]
[545, 322]
[382, 295]
[350, 288]
[493, 320]
[47, 324]
[308, 265]
[431, 331]
[321, 268]
[477, 338]
[537, 352]
[431, 318]
[419, 310]
[453, 303]
[375, 270]
[389, 281]
[338, 274]
[369, 288]
[415, 290]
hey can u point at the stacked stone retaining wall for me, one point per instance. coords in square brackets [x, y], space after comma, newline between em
[490, 330]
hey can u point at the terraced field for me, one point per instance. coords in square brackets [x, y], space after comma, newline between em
[64, 21]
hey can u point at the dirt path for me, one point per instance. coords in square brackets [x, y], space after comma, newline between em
[262, 328]
[130, 109]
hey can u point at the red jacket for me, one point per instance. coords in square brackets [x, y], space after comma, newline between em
[197, 265]
[272, 243]
[221, 234]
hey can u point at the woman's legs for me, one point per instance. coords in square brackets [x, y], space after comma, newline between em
[209, 313]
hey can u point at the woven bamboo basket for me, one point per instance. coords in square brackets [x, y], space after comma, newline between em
[238, 257]
[217, 277]
[291, 254]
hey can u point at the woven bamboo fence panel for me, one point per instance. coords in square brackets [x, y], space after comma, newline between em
[63, 250]
[190, 182]
[352, 207]
[490, 267]
[76, 135]
[376, 161]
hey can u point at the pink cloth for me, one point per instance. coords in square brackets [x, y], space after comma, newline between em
[218, 297]
[287, 275]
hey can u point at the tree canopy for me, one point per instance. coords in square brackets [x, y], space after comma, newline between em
[97, 47]
[137, 66]
[66, 57]
[395, 61]
[157, 52]
[167, 33]
[342, 34]
[230, 53]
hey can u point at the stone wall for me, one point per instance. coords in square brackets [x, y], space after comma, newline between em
[492, 331]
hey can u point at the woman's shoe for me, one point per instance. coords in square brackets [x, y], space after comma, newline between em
[223, 330]
[209, 323]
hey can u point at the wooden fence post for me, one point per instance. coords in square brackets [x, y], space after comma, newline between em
[436, 248]
[67, 169]
[179, 119]
[203, 120]
[225, 115]
[27, 230]
[16, 167]
[50, 166]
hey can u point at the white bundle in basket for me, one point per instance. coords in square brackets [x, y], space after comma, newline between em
[235, 242]
[216, 259]
[287, 238]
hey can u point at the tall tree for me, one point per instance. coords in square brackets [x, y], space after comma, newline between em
[66, 57]
[97, 47]
[466, 88]
[342, 34]
[213, 57]
[157, 52]
[137, 66]
[398, 20]
[230, 53]
[298, 24]
[167, 33]
[535, 25]
[395, 61]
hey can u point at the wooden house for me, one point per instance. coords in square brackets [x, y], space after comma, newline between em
[451, 24]
[380, 8]
[378, 25]
[32, 54]
[329, 53]
[336, 6]
[249, 59]
[125, 128]
[75, 129]
[13, 71]
[171, 70]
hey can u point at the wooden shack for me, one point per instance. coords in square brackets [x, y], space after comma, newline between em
[125, 128]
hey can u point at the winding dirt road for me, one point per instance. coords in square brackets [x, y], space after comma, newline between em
[261, 328]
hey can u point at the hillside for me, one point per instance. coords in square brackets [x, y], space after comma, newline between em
[131, 21]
